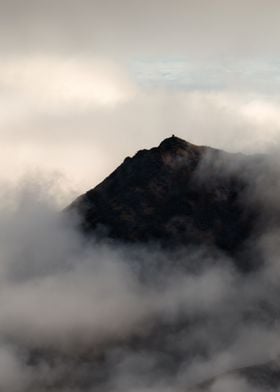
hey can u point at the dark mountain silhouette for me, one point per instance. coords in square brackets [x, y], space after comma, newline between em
[180, 195]
[177, 194]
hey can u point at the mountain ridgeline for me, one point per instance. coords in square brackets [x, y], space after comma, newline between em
[177, 194]
[190, 222]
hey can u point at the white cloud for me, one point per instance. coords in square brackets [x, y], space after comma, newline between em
[61, 295]
[56, 84]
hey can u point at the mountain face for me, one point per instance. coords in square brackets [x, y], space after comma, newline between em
[177, 194]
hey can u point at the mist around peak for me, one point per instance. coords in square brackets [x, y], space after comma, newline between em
[93, 313]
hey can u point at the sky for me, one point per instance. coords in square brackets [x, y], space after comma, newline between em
[83, 84]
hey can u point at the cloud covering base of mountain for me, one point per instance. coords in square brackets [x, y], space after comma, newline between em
[72, 312]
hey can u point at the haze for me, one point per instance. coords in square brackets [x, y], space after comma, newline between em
[85, 83]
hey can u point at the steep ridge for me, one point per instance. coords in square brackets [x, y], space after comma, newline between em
[176, 194]
[180, 195]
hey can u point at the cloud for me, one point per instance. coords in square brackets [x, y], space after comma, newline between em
[64, 302]
[50, 84]
[82, 85]
[220, 28]
[83, 116]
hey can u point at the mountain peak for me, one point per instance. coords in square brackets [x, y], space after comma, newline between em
[157, 196]
[174, 142]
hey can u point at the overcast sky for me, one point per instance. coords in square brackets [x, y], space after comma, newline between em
[85, 83]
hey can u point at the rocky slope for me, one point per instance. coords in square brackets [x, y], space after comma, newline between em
[182, 196]
[177, 194]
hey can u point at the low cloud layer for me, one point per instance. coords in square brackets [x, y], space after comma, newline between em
[83, 116]
[86, 316]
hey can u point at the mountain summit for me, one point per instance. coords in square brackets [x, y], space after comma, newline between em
[176, 194]
[193, 308]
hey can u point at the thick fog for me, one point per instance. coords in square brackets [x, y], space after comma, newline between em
[80, 315]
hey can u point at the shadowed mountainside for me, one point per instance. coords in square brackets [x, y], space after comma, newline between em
[177, 194]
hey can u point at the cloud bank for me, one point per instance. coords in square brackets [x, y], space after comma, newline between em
[101, 316]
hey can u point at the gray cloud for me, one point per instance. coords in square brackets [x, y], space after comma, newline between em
[134, 27]
[64, 301]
